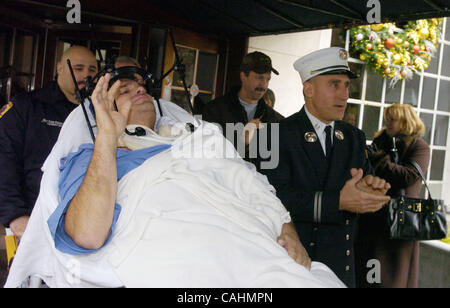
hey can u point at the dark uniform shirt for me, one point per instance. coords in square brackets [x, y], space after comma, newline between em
[28, 131]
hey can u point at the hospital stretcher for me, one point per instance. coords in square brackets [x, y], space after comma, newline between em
[11, 246]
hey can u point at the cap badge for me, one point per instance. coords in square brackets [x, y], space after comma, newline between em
[343, 54]
[311, 137]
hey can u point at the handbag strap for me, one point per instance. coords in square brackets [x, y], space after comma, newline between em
[416, 165]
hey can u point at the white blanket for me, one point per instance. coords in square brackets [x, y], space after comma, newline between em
[185, 222]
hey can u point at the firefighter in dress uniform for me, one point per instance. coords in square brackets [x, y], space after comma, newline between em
[323, 176]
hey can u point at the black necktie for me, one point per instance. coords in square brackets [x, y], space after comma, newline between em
[328, 144]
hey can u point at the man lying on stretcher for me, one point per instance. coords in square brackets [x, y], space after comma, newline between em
[163, 220]
[90, 214]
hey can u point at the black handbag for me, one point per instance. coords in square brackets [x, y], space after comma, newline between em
[417, 219]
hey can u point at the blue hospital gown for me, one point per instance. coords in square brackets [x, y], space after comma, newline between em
[72, 172]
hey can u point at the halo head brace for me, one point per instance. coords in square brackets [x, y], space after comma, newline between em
[132, 73]
[136, 74]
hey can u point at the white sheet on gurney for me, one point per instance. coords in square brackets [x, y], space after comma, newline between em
[36, 255]
[184, 223]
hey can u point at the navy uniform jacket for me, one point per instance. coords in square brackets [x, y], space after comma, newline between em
[310, 190]
[28, 131]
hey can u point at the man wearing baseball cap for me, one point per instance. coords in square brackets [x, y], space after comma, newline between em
[245, 104]
[323, 177]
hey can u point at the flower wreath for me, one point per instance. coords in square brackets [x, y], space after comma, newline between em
[397, 52]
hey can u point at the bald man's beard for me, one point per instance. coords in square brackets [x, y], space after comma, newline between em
[81, 84]
[72, 89]
[81, 88]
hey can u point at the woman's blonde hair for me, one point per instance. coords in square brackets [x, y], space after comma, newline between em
[410, 123]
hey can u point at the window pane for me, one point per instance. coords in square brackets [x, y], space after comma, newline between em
[428, 93]
[352, 114]
[23, 60]
[434, 65]
[446, 61]
[23, 52]
[436, 191]
[437, 165]
[188, 58]
[5, 45]
[441, 131]
[428, 121]
[374, 87]
[356, 84]
[338, 38]
[156, 52]
[412, 91]
[447, 31]
[179, 97]
[371, 121]
[206, 71]
[393, 95]
[109, 49]
[444, 96]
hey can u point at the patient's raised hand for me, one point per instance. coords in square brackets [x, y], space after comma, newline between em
[109, 120]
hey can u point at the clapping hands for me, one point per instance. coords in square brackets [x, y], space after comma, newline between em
[364, 195]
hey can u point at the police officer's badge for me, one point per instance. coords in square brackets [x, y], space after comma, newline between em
[311, 137]
[5, 109]
[339, 135]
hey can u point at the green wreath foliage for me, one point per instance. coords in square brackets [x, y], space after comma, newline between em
[395, 51]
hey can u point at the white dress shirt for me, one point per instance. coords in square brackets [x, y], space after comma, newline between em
[319, 127]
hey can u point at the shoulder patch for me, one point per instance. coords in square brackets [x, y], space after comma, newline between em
[5, 109]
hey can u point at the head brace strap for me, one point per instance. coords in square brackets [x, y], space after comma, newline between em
[128, 72]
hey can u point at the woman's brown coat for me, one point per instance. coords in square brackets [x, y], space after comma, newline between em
[399, 259]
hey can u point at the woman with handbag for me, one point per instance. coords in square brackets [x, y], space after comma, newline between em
[394, 147]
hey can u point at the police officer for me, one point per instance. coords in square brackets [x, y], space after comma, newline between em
[29, 126]
[323, 174]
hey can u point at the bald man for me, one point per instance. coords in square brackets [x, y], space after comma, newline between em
[29, 126]
[83, 63]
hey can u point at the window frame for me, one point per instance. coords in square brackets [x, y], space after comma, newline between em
[194, 77]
